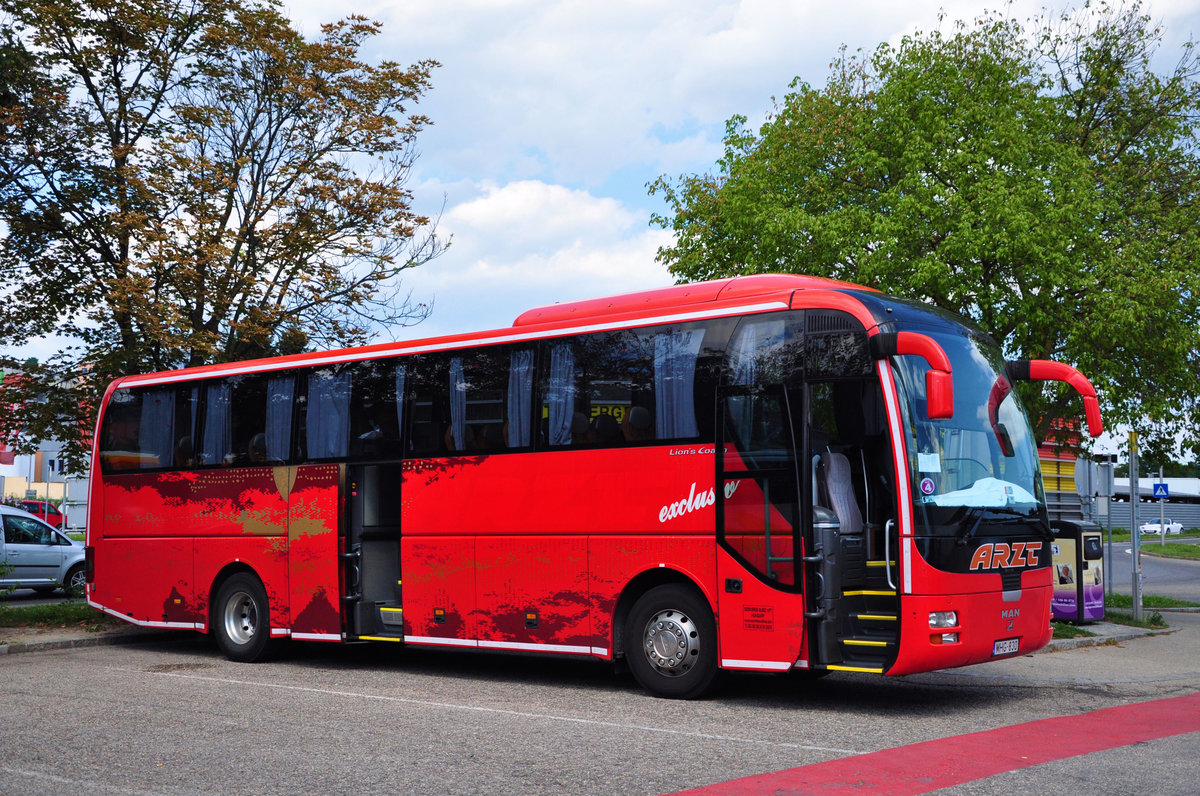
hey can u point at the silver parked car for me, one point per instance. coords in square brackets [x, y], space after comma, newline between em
[35, 556]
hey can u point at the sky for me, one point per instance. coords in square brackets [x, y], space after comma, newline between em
[550, 119]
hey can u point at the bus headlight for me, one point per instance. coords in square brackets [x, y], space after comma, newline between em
[943, 618]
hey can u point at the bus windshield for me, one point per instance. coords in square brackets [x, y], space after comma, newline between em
[977, 472]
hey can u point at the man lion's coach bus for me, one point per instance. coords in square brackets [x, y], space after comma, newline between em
[762, 473]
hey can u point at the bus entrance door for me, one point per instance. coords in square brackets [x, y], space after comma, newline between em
[852, 544]
[371, 558]
[761, 596]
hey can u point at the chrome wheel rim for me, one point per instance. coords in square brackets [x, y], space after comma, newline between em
[671, 643]
[77, 582]
[240, 618]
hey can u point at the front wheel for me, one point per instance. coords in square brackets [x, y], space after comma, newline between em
[671, 642]
[242, 618]
[75, 581]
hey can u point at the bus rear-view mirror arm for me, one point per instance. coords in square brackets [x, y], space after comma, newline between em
[939, 385]
[1047, 370]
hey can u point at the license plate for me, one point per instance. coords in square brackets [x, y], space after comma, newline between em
[1006, 646]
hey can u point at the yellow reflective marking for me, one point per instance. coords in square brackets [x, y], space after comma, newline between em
[834, 668]
[379, 638]
[877, 617]
[868, 593]
[880, 563]
[856, 642]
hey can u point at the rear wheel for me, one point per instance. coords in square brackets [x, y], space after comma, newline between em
[671, 642]
[242, 618]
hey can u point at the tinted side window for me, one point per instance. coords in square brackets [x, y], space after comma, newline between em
[377, 408]
[473, 401]
[138, 430]
[627, 387]
[324, 414]
[767, 349]
[245, 420]
[429, 405]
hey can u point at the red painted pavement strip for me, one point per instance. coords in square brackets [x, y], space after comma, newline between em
[928, 766]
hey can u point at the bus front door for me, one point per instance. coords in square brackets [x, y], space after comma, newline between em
[371, 590]
[761, 599]
[851, 548]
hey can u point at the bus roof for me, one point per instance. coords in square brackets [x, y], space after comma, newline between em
[651, 306]
[737, 287]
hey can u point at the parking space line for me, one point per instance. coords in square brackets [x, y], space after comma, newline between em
[943, 763]
[502, 711]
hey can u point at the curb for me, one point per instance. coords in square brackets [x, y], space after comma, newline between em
[1116, 637]
[105, 640]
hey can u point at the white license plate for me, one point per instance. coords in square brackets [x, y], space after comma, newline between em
[1006, 646]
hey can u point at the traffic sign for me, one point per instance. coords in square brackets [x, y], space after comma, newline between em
[1161, 492]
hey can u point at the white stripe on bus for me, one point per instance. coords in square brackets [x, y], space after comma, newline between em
[774, 666]
[400, 349]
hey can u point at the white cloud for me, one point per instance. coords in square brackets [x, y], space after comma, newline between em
[527, 244]
[551, 116]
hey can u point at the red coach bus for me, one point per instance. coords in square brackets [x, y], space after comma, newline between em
[760, 473]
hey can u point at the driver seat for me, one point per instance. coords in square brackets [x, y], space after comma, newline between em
[835, 472]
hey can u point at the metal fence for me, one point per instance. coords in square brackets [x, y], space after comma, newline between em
[1186, 513]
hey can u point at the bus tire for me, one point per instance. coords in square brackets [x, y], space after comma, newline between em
[242, 618]
[671, 642]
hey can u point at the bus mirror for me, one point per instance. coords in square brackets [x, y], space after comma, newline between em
[939, 382]
[939, 394]
[1047, 370]
[1005, 440]
[1001, 387]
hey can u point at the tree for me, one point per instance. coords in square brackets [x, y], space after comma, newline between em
[1042, 181]
[192, 181]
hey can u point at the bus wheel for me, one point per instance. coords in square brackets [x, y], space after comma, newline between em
[242, 618]
[671, 642]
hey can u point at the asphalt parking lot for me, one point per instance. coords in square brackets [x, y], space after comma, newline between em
[167, 714]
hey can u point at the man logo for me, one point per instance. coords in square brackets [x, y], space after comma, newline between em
[1001, 555]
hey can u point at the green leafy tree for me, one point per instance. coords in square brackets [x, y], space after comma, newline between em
[192, 181]
[1040, 179]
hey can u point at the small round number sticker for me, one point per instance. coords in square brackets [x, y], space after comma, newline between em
[927, 486]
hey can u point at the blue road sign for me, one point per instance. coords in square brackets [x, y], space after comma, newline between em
[1161, 492]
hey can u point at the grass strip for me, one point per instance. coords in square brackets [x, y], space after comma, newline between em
[1067, 630]
[1148, 601]
[77, 614]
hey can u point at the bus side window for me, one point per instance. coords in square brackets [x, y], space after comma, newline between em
[490, 400]
[429, 404]
[216, 440]
[281, 393]
[327, 413]
[376, 409]
[248, 420]
[138, 430]
[612, 389]
[187, 408]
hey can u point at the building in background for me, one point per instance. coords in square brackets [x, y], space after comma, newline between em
[41, 476]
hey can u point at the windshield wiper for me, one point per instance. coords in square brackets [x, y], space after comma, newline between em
[1012, 517]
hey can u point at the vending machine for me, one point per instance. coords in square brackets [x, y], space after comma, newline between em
[1078, 571]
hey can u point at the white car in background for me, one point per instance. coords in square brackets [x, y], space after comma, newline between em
[1156, 529]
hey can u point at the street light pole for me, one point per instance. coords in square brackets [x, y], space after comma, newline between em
[1134, 533]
